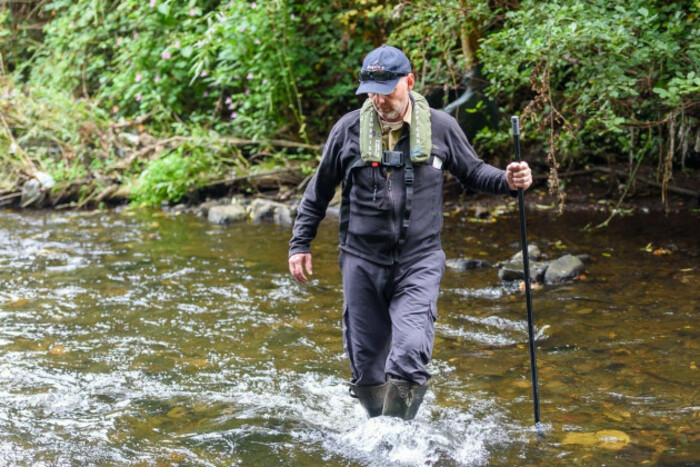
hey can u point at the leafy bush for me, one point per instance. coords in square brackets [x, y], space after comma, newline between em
[49, 131]
[441, 38]
[592, 79]
[599, 74]
[254, 69]
[174, 175]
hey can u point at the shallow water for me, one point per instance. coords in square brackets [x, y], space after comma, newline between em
[148, 338]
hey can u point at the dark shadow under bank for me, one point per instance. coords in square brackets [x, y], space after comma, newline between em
[592, 189]
[598, 190]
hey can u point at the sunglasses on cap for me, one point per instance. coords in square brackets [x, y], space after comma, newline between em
[380, 76]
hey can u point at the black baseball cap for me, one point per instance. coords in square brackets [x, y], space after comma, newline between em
[382, 69]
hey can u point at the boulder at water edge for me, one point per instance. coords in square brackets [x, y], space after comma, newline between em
[31, 193]
[266, 210]
[227, 214]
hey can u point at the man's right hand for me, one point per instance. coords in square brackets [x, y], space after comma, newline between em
[297, 263]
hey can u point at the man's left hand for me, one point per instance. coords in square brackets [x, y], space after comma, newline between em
[518, 175]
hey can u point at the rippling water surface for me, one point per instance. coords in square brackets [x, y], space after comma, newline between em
[149, 338]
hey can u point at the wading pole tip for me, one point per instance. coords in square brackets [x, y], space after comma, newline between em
[540, 430]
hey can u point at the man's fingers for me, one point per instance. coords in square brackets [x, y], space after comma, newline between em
[296, 266]
[519, 175]
[309, 265]
[298, 273]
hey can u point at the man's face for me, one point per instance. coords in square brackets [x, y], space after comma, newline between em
[392, 107]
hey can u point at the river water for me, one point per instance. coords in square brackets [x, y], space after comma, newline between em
[150, 338]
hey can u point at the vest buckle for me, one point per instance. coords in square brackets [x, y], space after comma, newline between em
[392, 158]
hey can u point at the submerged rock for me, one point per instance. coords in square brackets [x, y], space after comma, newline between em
[463, 264]
[613, 440]
[227, 214]
[566, 267]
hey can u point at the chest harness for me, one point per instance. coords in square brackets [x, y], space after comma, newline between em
[372, 154]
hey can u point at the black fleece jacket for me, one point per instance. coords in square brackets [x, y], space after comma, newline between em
[377, 195]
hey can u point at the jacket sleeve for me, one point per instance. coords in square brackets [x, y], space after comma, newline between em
[463, 163]
[318, 194]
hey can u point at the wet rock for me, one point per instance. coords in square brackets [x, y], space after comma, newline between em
[203, 209]
[561, 269]
[513, 270]
[181, 207]
[35, 190]
[533, 253]
[227, 214]
[265, 210]
[584, 257]
[46, 180]
[31, 193]
[463, 264]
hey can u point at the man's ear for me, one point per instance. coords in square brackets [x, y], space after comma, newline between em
[410, 81]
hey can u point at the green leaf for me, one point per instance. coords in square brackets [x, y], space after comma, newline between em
[186, 51]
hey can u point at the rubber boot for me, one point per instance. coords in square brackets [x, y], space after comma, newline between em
[403, 399]
[370, 397]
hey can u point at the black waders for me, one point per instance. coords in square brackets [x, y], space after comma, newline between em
[395, 398]
[403, 399]
[370, 397]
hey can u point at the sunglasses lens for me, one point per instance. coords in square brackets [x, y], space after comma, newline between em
[379, 76]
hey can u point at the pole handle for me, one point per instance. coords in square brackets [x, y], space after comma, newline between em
[515, 124]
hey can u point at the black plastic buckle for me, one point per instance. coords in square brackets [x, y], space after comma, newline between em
[392, 158]
[408, 176]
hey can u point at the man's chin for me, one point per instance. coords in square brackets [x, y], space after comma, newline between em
[389, 117]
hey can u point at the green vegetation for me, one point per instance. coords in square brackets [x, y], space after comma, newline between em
[607, 79]
[165, 97]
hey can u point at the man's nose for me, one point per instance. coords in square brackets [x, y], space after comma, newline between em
[379, 99]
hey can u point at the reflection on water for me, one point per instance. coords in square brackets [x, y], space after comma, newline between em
[151, 338]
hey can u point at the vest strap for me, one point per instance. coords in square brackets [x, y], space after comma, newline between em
[405, 222]
[345, 200]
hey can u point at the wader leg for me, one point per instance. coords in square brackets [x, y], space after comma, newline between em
[366, 321]
[371, 397]
[403, 399]
[413, 312]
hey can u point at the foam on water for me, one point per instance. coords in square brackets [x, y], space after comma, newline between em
[493, 339]
[326, 417]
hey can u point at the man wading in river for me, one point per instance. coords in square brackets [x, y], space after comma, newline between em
[389, 157]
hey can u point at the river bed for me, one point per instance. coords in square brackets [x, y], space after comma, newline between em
[134, 337]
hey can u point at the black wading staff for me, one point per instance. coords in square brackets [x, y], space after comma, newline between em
[515, 123]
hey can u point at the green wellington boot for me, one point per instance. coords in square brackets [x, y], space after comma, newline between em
[403, 399]
[370, 397]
